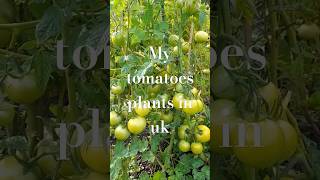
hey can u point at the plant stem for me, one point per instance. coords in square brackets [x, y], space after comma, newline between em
[24, 25]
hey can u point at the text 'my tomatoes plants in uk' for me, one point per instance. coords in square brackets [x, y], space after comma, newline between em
[160, 60]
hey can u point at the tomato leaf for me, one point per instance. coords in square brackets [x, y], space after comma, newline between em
[50, 25]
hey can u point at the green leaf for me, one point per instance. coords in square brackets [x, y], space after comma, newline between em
[148, 156]
[159, 176]
[137, 145]
[155, 143]
[50, 25]
[42, 63]
[14, 143]
[144, 176]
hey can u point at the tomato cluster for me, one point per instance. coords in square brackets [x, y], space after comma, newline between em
[276, 139]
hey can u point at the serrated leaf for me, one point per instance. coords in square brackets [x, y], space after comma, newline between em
[42, 63]
[148, 156]
[50, 25]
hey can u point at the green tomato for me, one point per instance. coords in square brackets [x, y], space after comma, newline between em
[137, 125]
[95, 157]
[271, 150]
[193, 106]
[196, 148]
[223, 86]
[201, 37]
[173, 40]
[270, 93]
[185, 47]
[202, 133]
[178, 99]
[184, 146]
[11, 169]
[121, 133]
[142, 111]
[290, 137]
[115, 119]
[309, 31]
[24, 90]
[167, 118]
[117, 89]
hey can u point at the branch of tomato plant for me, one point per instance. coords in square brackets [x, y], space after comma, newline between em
[190, 44]
[14, 54]
[71, 114]
[22, 25]
[34, 128]
[274, 41]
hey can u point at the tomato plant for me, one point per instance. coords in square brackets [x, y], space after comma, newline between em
[264, 111]
[164, 49]
[45, 81]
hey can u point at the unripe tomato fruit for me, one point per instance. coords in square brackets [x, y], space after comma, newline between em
[121, 133]
[222, 109]
[290, 138]
[175, 51]
[185, 47]
[96, 157]
[202, 133]
[271, 149]
[309, 31]
[167, 118]
[6, 114]
[115, 118]
[142, 111]
[117, 89]
[193, 106]
[173, 40]
[178, 99]
[182, 134]
[11, 169]
[137, 125]
[201, 37]
[196, 148]
[223, 85]
[184, 146]
[24, 90]
[7, 15]
[270, 93]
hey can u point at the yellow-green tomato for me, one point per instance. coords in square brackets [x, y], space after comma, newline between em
[202, 133]
[137, 125]
[173, 40]
[185, 47]
[22, 90]
[201, 37]
[196, 148]
[167, 117]
[290, 137]
[182, 134]
[115, 118]
[117, 89]
[11, 169]
[96, 157]
[193, 106]
[142, 111]
[178, 100]
[309, 31]
[121, 133]
[184, 146]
